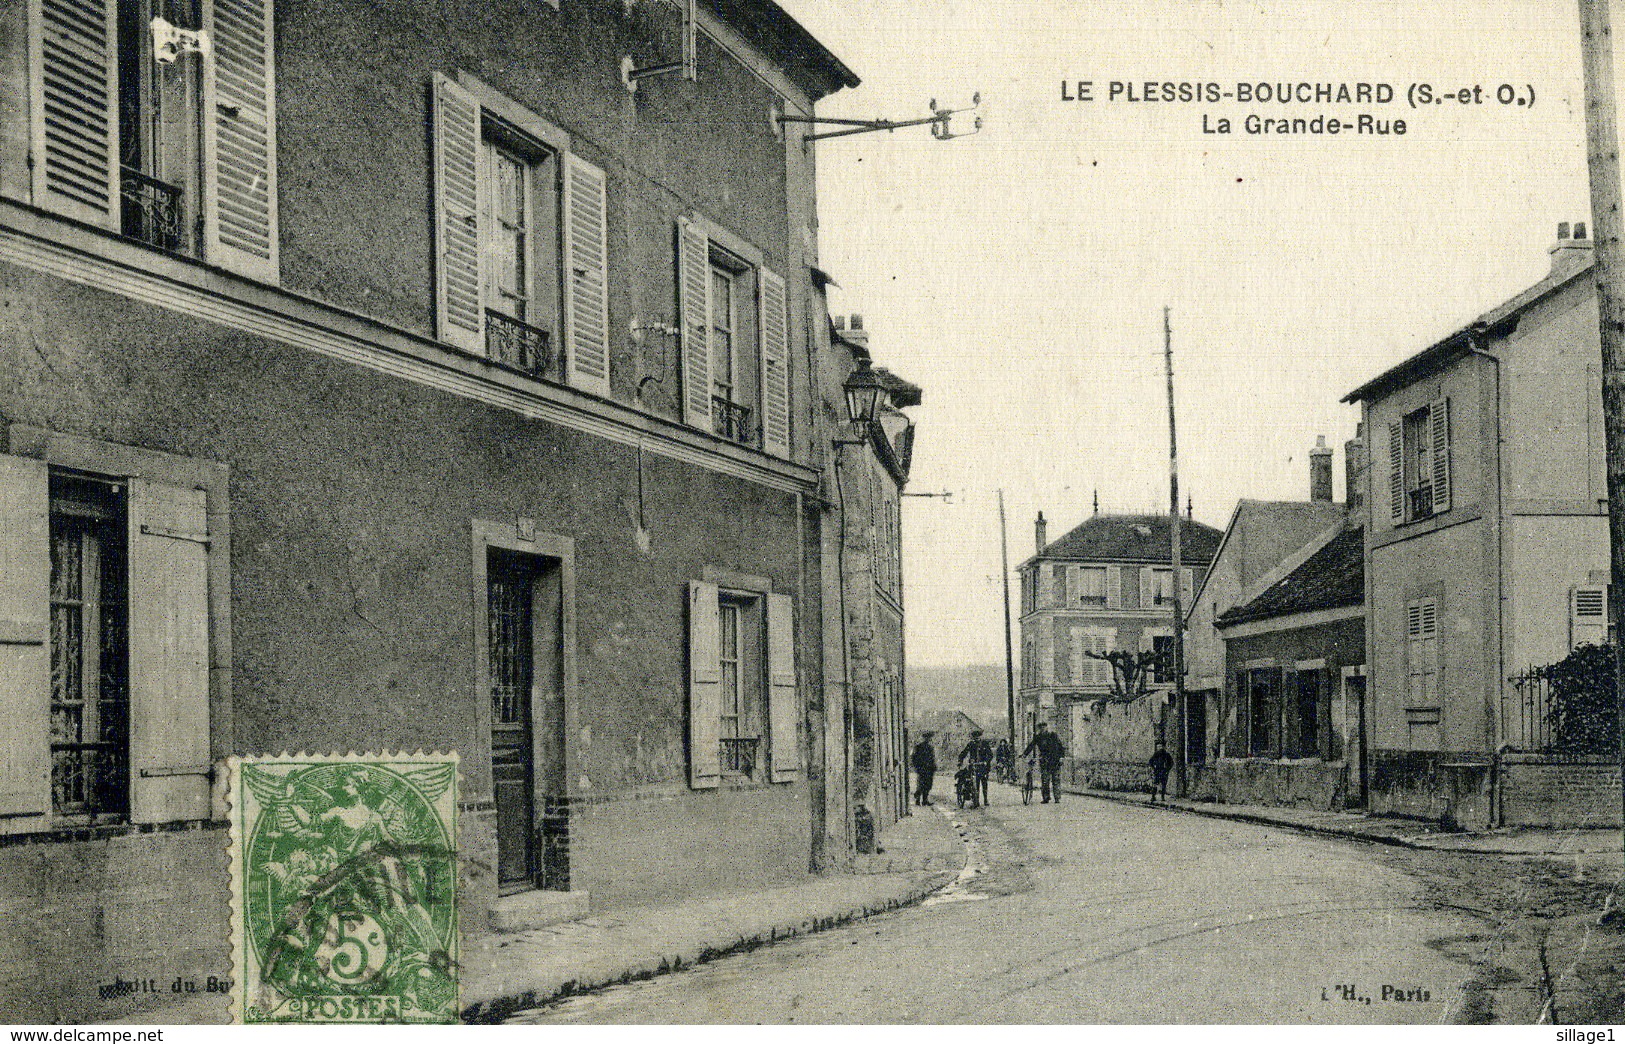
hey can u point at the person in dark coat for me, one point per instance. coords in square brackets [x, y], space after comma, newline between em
[1050, 752]
[924, 760]
[1162, 763]
[978, 756]
[1004, 761]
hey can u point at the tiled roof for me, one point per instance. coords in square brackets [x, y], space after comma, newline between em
[1331, 578]
[1135, 538]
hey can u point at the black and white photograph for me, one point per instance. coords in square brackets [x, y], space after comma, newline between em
[772, 512]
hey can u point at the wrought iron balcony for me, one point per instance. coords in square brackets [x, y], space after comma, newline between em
[739, 757]
[731, 420]
[1421, 503]
[519, 345]
[151, 210]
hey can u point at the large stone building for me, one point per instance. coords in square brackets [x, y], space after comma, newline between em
[1105, 586]
[389, 376]
[1486, 540]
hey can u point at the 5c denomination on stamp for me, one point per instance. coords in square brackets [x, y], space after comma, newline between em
[344, 888]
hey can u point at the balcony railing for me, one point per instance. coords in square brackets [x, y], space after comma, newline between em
[151, 210]
[739, 757]
[731, 420]
[1421, 503]
[519, 346]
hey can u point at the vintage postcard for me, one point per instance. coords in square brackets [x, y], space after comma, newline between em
[888, 512]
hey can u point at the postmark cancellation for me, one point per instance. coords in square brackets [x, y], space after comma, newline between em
[344, 888]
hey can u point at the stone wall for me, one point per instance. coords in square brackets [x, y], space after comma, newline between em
[1451, 789]
[1099, 774]
[1306, 783]
[1552, 792]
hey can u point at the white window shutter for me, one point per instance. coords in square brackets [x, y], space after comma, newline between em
[1396, 473]
[586, 271]
[1588, 615]
[694, 308]
[1045, 583]
[775, 313]
[169, 653]
[783, 698]
[74, 87]
[1114, 586]
[25, 653]
[704, 687]
[459, 306]
[239, 138]
[1439, 423]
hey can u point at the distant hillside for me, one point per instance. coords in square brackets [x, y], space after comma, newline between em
[977, 689]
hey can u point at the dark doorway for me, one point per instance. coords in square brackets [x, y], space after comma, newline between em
[525, 657]
[1196, 728]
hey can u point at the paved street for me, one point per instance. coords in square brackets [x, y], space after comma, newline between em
[1093, 911]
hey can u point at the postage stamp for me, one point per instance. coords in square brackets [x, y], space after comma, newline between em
[344, 888]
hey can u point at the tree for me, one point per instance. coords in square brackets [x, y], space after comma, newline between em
[1131, 671]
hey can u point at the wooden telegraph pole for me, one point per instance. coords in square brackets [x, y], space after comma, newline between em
[1181, 759]
[1009, 655]
[1602, 155]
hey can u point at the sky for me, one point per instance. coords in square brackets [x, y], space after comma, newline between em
[1019, 275]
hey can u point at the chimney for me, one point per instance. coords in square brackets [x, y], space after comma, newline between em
[855, 332]
[1354, 472]
[1041, 533]
[1570, 250]
[1320, 472]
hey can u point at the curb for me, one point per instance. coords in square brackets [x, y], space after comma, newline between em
[917, 888]
[1391, 840]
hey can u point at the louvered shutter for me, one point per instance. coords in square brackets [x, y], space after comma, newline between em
[1045, 584]
[783, 699]
[775, 312]
[1114, 587]
[25, 654]
[1396, 473]
[694, 306]
[1439, 423]
[459, 308]
[704, 687]
[169, 653]
[1588, 616]
[239, 138]
[75, 109]
[586, 269]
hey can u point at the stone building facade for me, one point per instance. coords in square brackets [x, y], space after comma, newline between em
[392, 376]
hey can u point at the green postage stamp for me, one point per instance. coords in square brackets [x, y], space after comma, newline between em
[344, 888]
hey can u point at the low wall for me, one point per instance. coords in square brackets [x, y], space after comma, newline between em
[1450, 789]
[1306, 783]
[1100, 774]
[1552, 791]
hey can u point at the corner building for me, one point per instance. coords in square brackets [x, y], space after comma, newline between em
[390, 376]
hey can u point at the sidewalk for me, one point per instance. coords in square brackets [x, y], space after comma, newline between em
[510, 972]
[1404, 833]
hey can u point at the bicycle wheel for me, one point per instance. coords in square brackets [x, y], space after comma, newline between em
[1027, 790]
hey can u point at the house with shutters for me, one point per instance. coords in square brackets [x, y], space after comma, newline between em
[1107, 585]
[1486, 538]
[383, 379]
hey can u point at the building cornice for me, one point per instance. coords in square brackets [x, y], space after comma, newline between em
[1290, 622]
[79, 254]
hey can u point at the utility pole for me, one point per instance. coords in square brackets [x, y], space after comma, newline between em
[1009, 656]
[1602, 156]
[1182, 759]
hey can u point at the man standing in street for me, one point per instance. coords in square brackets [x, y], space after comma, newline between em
[978, 753]
[924, 760]
[1050, 752]
[1162, 763]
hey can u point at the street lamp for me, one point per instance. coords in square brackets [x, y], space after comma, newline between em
[863, 391]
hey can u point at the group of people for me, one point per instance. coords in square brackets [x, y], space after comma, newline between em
[1044, 753]
[978, 759]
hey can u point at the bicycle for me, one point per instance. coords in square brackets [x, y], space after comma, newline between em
[1030, 783]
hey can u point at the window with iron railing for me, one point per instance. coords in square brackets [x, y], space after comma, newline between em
[151, 211]
[520, 346]
[732, 420]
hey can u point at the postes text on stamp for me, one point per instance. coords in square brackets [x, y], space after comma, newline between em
[344, 888]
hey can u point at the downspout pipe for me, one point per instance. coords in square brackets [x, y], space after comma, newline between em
[1475, 334]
